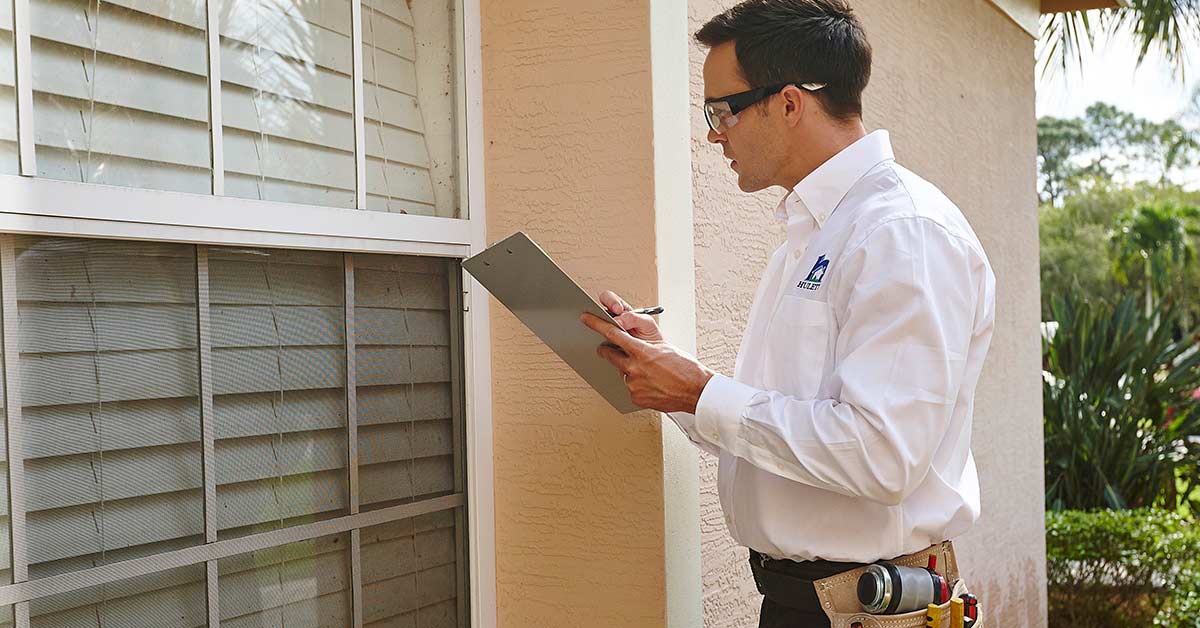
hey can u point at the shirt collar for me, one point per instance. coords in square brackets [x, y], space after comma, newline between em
[823, 190]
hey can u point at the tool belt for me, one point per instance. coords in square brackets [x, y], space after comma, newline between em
[837, 595]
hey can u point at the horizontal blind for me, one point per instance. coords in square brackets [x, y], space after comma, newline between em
[108, 361]
[409, 573]
[120, 92]
[288, 101]
[120, 97]
[175, 598]
[279, 401]
[399, 169]
[402, 350]
[109, 356]
[9, 159]
[301, 584]
[406, 438]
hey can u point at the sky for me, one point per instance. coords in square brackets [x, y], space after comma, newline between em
[1110, 74]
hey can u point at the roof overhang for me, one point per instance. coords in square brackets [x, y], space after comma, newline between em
[1058, 6]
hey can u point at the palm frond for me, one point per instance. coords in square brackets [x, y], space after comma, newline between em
[1168, 27]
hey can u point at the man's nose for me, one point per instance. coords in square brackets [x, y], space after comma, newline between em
[714, 137]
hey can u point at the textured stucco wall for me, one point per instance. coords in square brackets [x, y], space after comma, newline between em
[568, 159]
[954, 83]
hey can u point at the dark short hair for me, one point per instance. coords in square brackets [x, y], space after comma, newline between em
[809, 41]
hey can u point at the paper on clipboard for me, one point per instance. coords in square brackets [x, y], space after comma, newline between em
[522, 277]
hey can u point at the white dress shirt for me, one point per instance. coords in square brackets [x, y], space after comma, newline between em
[845, 432]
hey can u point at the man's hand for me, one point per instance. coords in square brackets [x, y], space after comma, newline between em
[659, 376]
[639, 326]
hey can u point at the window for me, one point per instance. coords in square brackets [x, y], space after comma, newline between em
[110, 400]
[410, 149]
[130, 352]
[120, 93]
[225, 399]
[121, 96]
[287, 98]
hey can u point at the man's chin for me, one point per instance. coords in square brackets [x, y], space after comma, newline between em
[748, 185]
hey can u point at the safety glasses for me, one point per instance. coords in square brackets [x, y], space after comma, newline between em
[722, 113]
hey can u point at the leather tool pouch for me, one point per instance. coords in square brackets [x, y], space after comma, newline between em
[838, 595]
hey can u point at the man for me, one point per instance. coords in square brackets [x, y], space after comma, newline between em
[844, 433]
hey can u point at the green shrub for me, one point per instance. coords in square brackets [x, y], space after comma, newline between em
[1123, 568]
[1119, 407]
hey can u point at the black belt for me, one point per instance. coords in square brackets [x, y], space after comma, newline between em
[789, 583]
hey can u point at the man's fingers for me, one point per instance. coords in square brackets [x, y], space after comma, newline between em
[615, 356]
[629, 320]
[611, 333]
[613, 303]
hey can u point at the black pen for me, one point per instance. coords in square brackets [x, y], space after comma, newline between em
[658, 309]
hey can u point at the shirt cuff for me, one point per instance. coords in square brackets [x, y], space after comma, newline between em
[686, 422]
[720, 410]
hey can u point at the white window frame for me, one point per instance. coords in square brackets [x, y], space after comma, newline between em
[31, 205]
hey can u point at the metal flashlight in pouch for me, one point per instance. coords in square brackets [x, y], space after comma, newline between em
[887, 589]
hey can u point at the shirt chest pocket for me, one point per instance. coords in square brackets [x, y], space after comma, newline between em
[797, 341]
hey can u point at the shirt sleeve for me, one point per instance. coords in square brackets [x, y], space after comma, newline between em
[908, 299]
[686, 422]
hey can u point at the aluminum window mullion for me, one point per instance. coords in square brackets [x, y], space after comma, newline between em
[212, 552]
[207, 431]
[351, 386]
[207, 428]
[31, 199]
[212, 588]
[454, 273]
[360, 130]
[352, 444]
[215, 119]
[9, 320]
[457, 311]
[14, 437]
[356, 589]
[26, 147]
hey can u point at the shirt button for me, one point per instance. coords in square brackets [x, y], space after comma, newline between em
[797, 253]
[716, 438]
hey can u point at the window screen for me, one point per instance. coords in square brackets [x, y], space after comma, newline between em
[113, 390]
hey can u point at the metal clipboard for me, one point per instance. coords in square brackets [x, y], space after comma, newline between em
[543, 297]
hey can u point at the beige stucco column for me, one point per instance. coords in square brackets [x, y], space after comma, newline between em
[954, 83]
[587, 150]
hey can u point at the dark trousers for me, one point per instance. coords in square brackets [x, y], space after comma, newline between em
[789, 599]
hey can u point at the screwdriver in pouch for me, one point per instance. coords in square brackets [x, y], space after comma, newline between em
[933, 616]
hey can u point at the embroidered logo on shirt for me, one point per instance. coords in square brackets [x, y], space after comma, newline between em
[813, 281]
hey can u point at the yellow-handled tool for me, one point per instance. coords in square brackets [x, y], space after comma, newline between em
[956, 613]
[933, 616]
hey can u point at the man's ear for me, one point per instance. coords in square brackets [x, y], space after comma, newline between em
[794, 104]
